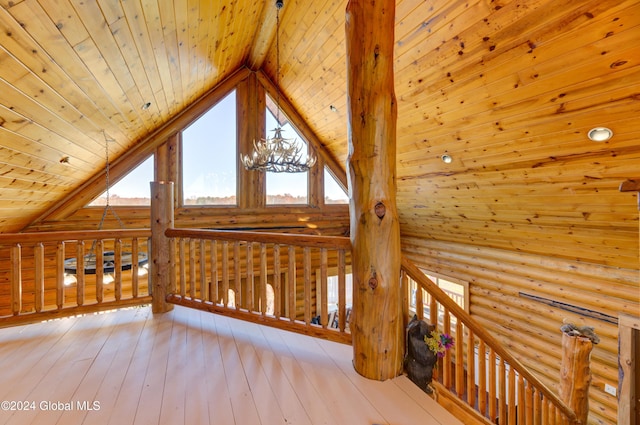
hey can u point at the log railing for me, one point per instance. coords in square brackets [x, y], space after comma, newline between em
[280, 280]
[37, 283]
[479, 371]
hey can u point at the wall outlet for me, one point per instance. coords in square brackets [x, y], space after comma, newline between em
[610, 389]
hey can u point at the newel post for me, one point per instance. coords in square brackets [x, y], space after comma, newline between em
[161, 219]
[575, 370]
[377, 325]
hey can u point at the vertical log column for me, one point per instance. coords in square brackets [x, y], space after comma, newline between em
[161, 219]
[375, 233]
[251, 110]
[575, 374]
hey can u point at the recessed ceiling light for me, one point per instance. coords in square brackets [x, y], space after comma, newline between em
[146, 106]
[600, 134]
[446, 158]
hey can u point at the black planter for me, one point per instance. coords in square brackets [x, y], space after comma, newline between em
[420, 360]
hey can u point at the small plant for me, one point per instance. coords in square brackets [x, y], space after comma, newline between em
[438, 342]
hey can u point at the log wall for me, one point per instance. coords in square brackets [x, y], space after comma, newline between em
[523, 300]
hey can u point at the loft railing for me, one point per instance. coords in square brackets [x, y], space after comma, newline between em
[37, 282]
[479, 371]
[281, 280]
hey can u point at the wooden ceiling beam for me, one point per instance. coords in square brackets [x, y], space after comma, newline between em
[264, 36]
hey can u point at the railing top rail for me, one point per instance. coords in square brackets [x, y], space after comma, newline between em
[315, 241]
[478, 330]
[60, 236]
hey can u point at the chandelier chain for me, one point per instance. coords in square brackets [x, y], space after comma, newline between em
[277, 154]
[278, 6]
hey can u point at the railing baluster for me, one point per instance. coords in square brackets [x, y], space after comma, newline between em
[433, 309]
[202, 260]
[433, 319]
[183, 268]
[471, 369]
[80, 277]
[536, 414]
[446, 369]
[214, 293]
[38, 254]
[60, 275]
[307, 284]
[277, 282]
[291, 283]
[482, 378]
[511, 399]
[117, 269]
[502, 393]
[342, 290]
[192, 269]
[459, 347]
[225, 273]
[99, 262]
[324, 311]
[135, 268]
[406, 298]
[263, 279]
[524, 400]
[237, 278]
[249, 281]
[16, 279]
[172, 260]
[493, 399]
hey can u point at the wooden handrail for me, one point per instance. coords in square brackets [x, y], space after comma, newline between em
[478, 330]
[302, 240]
[24, 238]
[210, 264]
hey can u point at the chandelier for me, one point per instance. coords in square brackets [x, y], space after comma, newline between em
[277, 154]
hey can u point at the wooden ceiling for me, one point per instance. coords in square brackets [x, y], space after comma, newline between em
[508, 89]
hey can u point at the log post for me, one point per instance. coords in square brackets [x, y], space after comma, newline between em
[377, 332]
[161, 219]
[575, 374]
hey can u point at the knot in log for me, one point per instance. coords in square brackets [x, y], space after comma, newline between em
[380, 210]
[373, 282]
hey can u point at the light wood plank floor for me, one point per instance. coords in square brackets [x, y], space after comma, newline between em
[191, 367]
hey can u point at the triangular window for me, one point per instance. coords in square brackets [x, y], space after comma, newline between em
[132, 190]
[333, 191]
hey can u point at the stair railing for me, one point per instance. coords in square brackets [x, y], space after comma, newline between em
[479, 371]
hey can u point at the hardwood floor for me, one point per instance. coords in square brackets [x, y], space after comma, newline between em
[191, 367]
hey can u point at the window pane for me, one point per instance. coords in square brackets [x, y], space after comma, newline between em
[209, 156]
[133, 189]
[286, 188]
[333, 193]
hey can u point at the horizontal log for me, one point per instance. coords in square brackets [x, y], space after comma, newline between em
[281, 323]
[24, 238]
[72, 311]
[336, 242]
